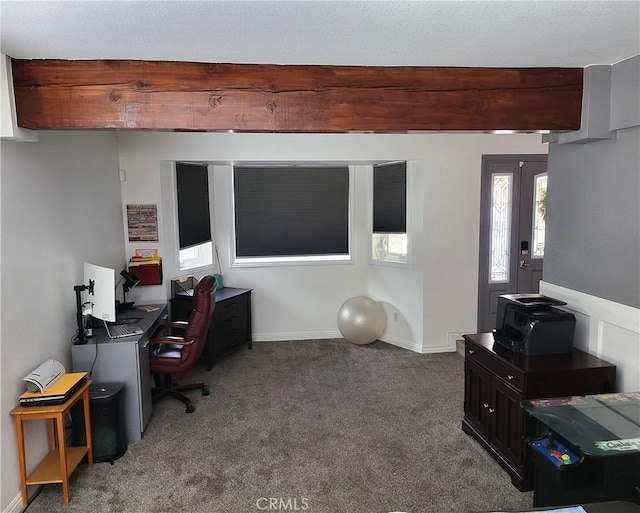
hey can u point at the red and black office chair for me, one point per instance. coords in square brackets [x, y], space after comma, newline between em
[171, 354]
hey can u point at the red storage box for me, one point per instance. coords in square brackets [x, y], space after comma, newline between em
[149, 273]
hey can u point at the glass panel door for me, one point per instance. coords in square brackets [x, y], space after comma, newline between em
[500, 227]
[539, 214]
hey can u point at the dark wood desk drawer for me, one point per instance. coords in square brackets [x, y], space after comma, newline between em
[230, 327]
[231, 312]
[499, 369]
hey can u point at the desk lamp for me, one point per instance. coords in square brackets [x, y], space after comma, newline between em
[130, 281]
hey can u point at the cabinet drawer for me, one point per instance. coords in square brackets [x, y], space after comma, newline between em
[500, 370]
[223, 320]
[231, 337]
[235, 306]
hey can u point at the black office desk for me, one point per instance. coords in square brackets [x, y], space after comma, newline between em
[125, 360]
[594, 454]
[230, 326]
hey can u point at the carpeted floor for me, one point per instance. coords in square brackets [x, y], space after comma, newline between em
[320, 426]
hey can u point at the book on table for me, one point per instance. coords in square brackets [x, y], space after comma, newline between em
[57, 393]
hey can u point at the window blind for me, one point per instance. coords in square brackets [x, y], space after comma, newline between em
[291, 211]
[390, 198]
[194, 224]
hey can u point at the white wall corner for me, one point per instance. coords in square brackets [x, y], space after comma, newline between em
[455, 336]
[9, 122]
[596, 107]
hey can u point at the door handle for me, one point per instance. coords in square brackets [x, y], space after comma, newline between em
[523, 264]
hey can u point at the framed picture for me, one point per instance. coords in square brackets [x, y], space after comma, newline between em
[142, 223]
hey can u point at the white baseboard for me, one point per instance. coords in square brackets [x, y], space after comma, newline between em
[300, 335]
[389, 339]
[320, 335]
[404, 344]
[605, 329]
[437, 349]
[449, 347]
[15, 506]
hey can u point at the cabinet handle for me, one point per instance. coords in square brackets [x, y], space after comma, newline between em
[471, 351]
[491, 410]
[485, 405]
[509, 377]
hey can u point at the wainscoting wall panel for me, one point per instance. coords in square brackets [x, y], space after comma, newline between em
[606, 329]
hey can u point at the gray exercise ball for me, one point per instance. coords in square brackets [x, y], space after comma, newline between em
[361, 320]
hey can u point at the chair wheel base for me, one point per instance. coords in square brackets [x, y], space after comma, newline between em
[174, 390]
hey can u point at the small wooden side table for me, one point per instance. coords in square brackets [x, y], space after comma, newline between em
[61, 461]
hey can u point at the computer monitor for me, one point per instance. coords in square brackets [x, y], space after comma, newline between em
[104, 291]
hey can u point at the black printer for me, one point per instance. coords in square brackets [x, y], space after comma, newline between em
[529, 324]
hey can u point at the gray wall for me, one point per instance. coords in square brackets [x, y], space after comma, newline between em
[593, 205]
[60, 205]
[625, 94]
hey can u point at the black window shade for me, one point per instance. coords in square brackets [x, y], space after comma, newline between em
[390, 198]
[194, 224]
[291, 211]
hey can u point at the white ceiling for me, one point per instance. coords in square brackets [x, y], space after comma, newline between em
[366, 32]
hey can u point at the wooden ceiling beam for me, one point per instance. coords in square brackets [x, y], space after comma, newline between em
[154, 95]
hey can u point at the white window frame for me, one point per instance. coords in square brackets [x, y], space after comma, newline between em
[392, 262]
[200, 260]
[213, 265]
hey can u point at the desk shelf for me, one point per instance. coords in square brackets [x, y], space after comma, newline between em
[49, 469]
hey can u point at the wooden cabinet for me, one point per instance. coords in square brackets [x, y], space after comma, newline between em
[230, 327]
[497, 381]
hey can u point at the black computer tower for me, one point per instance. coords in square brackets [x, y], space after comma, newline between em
[108, 434]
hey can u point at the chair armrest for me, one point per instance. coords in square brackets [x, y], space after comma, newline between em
[168, 326]
[181, 325]
[169, 339]
[178, 324]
